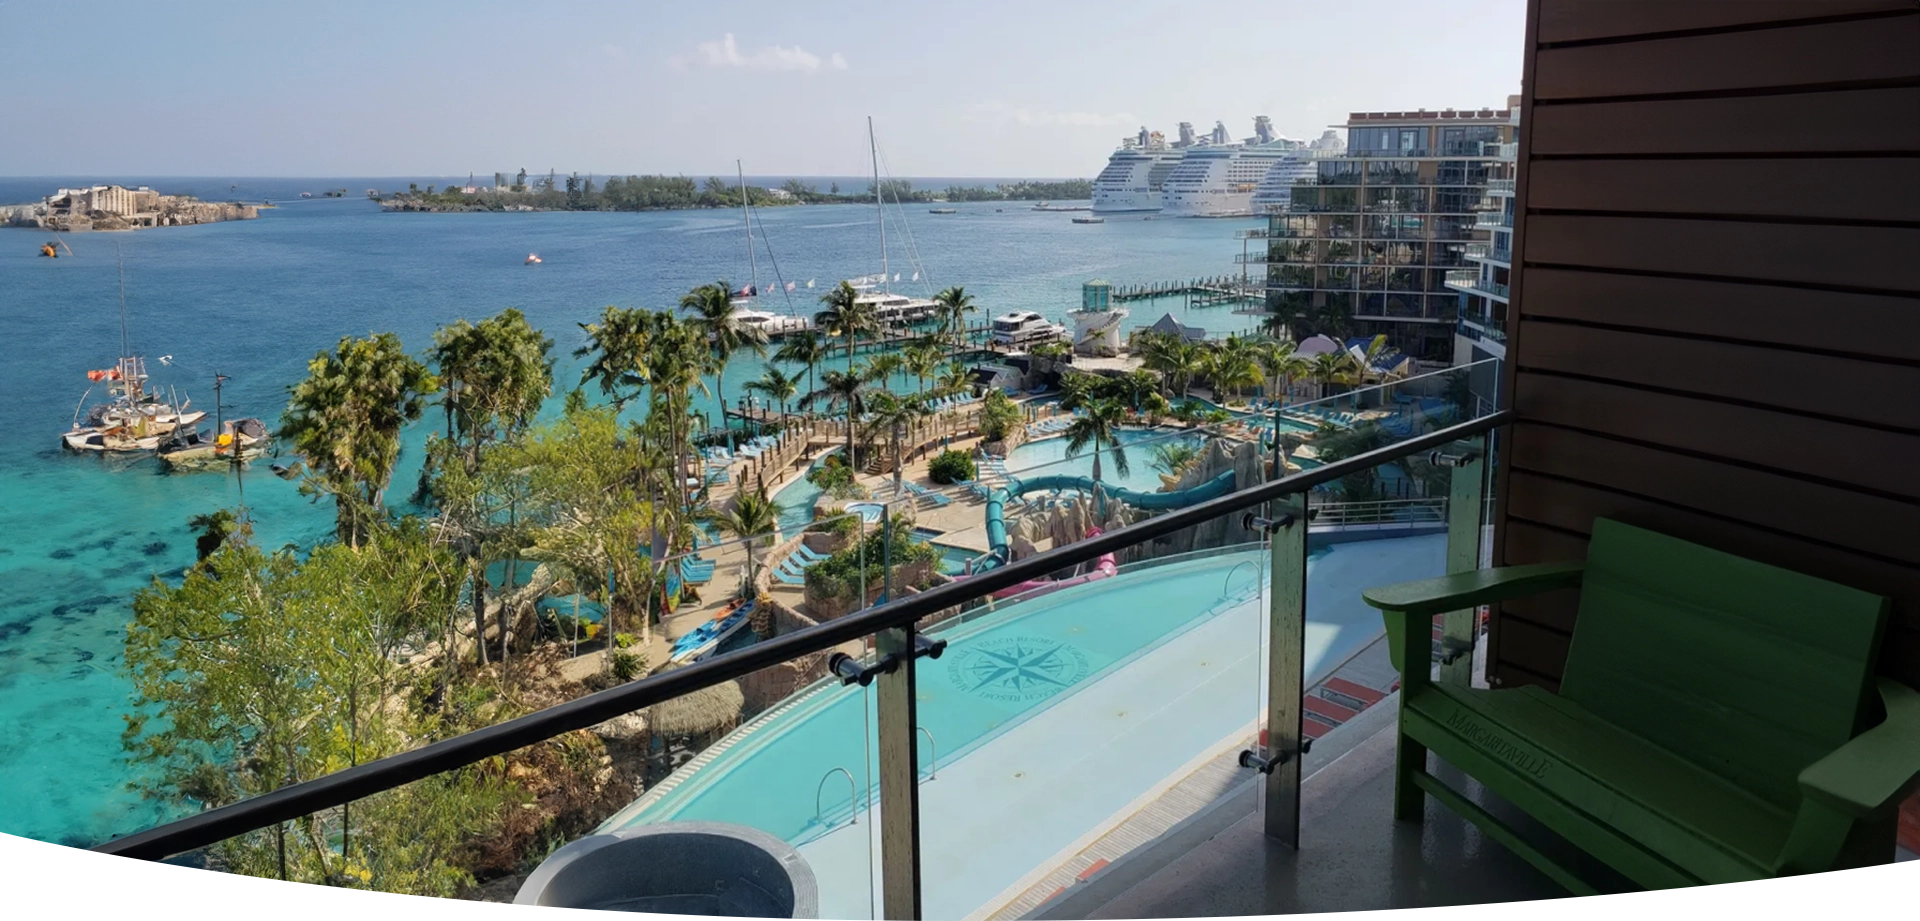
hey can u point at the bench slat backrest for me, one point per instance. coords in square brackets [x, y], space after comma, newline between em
[1749, 670]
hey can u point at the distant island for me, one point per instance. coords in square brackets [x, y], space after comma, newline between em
[666, 193]
[113, 207]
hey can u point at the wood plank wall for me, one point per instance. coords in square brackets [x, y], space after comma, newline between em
[1717, 276]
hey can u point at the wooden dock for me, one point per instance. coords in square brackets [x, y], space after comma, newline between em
[1197, 292]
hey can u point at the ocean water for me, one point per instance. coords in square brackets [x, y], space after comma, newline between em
[255, 300]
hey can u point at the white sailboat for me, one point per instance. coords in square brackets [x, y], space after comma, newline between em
[774, 325]
[892, 310]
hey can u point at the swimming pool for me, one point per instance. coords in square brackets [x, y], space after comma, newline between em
[795, 501]
[1113, 687]
[1048, 456]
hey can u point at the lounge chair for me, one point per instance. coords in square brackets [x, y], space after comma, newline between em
[785, 578]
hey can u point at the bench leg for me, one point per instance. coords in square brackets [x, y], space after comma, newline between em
[1410, 760]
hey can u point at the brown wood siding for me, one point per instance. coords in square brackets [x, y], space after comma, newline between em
[1716, 295]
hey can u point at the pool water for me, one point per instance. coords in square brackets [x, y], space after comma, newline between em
[1048, 457]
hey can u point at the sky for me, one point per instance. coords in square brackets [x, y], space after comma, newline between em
[978, 89]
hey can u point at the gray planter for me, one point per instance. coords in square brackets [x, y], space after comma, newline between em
[678, 868]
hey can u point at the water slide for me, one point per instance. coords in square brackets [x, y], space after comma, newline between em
[1000, 543]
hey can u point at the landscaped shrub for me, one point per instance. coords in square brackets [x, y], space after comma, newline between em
[836, 479]
[951, 466]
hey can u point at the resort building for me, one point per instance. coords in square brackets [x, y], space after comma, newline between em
[1366, 244]
[1480, 332]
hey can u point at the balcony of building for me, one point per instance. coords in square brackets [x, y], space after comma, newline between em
[1493, 219]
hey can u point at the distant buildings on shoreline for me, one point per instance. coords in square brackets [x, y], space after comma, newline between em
[115, 207]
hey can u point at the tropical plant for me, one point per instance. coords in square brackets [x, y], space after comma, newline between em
[841, 390]
[1337, 444]
[1172, 457]
[494, 376]
[1099, 426]
[998, 415]
[1233, 366]
[1139, 390]
[846, 317]
[1078, 388]
[345, 420]
[1178, 360]
[215, 529]
[1282, 364]
[952, 307]
[716, 317]
[954, 378]
[1330, 368]
[893, 418]
[923, 361]
[882, 368]
[776, 386]
[952, 466]
[836, 479]
[805, 348]
[754, 519]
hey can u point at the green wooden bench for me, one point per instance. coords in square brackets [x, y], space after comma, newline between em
[1717, 720]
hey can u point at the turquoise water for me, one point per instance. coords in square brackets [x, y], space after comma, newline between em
[1048, 457]
[256, 299]
[773, 780]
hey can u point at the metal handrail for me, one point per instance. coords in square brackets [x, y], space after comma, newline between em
[364, 780]
[933, 753]
[853, 796]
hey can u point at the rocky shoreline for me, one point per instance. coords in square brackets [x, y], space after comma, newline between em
[120, 208]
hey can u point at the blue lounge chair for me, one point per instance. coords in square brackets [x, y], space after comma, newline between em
[787, 578]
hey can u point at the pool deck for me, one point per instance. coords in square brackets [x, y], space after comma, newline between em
[1006, 817]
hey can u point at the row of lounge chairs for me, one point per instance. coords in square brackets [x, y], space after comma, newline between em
[928, 495]
[793, 569]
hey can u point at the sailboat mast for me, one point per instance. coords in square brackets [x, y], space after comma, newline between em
[879, 205]
[752, 265]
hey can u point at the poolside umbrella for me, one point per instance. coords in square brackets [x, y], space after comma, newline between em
[700, 713]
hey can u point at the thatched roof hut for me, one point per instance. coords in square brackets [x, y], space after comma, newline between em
[700, 713]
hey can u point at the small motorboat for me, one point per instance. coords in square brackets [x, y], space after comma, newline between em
[701, 641]
[943, 211]
[48, 250]
[532, 260]
[306, 194]
[244, 439]
[1089, 220]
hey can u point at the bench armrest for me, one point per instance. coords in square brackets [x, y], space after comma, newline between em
[1873, 770]
[1472, 589]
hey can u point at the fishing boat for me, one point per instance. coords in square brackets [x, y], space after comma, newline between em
[134, 418]
[240, 439]
[701, 641]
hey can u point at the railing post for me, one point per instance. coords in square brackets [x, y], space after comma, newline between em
[899, 778]
[1286, 658]
[1459, 628]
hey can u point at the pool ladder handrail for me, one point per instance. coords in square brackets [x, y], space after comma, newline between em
[853, 797]
[1228, 581]
[933, 754]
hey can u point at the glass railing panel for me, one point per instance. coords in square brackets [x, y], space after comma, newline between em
[1073, 715]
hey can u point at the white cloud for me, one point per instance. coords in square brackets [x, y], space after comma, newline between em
[726, 53]
[1001, 112]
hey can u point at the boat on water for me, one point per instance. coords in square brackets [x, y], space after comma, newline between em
[238, 440]
[745, 300]
[893, 311]
[134, 419]
[701, 641]
[1220, 178]
[1024, 329]
[943, 211]
[1089, 220]
[532, 260]
[1133, 176]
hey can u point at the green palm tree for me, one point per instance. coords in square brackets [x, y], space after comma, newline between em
[841, 390]
[846, 317]
[715, 315]
[954, 304]
[1330, 368]
[776, 386]
[753, 518]
[619, 344]
[883, 367]
[954, 378]
[1078, 388]
[998, 415]
[1171, 457]
[494, 377]
[804, 348]
[345, 419]
[923, 361]
[1282, 364]
[1139, 390]
[893, 417]
[1178, 360]
[1233, 366]
[1099, 426]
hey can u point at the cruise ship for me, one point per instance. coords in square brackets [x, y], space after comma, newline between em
[1275, 192]
[1219, 179]
[1131, 182]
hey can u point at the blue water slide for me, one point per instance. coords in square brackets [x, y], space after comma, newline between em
[1000, 545]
